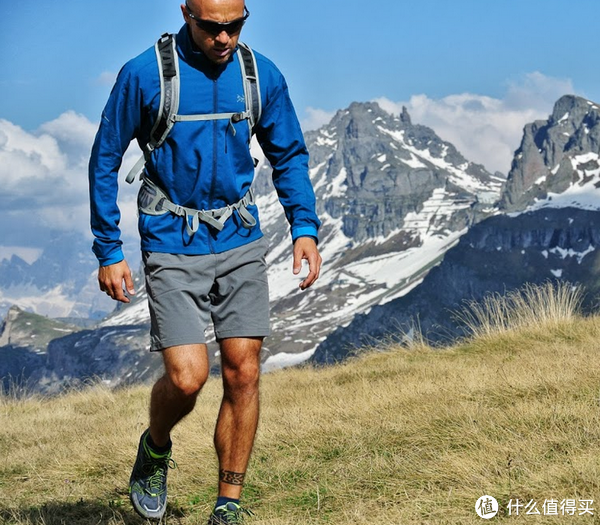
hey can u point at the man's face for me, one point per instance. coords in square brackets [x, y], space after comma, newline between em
[215, 42]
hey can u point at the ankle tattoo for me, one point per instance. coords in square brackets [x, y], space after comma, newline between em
[231, 478]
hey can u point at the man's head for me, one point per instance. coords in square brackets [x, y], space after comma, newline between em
[215, 26]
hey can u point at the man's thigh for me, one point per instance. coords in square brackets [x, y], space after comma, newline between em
[240, 295]
[178, 288]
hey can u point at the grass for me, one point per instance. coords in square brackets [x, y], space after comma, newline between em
[395, 436]
[549, 304]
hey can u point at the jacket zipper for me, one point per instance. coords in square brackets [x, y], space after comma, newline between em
[214, 163]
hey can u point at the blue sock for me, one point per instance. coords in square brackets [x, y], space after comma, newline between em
[222, 500]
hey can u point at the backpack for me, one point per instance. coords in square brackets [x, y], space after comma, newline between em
[168, 66]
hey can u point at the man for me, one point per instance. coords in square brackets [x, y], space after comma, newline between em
[193, 274]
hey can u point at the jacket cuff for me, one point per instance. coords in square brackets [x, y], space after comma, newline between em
[114, 258]
[305, 231]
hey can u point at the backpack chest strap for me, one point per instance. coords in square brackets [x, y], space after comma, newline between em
[233, 117]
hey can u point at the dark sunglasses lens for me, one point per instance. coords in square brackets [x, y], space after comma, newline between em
[235, 27]
[215, 28]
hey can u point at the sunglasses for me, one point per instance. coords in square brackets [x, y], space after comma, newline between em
[216, 28]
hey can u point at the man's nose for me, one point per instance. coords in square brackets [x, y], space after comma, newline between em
[222, 37]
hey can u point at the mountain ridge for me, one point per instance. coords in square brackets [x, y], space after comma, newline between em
[546, 219]
[395, 199]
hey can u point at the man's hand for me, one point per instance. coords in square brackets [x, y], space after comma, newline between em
[111, 280]
[305, 248]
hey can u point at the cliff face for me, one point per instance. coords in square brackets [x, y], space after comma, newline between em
[497, 255]
[556, 155]
[386, 168]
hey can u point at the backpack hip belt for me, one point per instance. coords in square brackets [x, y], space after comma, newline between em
[153, 201]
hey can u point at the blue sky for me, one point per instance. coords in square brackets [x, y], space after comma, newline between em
[63, 55]
[474, 71]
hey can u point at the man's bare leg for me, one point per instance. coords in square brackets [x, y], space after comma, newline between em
[174, 394]
[238, 417]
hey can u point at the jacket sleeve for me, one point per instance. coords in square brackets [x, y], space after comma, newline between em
[281, 139]
[118, 126]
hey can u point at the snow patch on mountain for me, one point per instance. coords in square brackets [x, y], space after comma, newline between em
[488, 192]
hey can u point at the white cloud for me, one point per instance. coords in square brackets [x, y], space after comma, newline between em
[45, 183]
[315, 118]
[486, 130]
[106, 78]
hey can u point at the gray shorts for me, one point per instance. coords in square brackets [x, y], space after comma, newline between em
[186, 291]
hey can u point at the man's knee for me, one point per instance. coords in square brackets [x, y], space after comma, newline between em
[240, 363]
[188, 382]
[187, 369]
[242, 377]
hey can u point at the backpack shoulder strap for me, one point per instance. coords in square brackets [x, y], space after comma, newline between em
[168, 67]
[168, 72]
[251, 84]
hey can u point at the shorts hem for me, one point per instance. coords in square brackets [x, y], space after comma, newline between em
[159, 347]
[226, 334]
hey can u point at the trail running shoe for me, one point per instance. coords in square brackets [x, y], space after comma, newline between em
[229, 514]
[148, 481]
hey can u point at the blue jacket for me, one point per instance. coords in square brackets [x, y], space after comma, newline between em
[201, 165]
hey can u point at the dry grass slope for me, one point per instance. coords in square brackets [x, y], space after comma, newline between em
[396, 436]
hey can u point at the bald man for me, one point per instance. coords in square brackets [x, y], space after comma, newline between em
[207, 274]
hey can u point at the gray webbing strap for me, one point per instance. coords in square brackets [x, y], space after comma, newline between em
[236, 117]
[153, 201]
[249, 69]
[137, 170]
[168, 67]
[168, 74]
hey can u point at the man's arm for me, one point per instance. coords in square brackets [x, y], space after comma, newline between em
[119, 124]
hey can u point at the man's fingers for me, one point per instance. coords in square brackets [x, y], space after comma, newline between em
[314, 266]
[111, 279]
[115, 291]
[297, 262]
[305, 248]
[129, 284]
[120, 295]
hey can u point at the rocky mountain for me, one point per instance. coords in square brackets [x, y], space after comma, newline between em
[551, 232]
[557, 159]
[377, 173]
[497, 255]
[61, 282]
[393, 198]
[46, 356]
